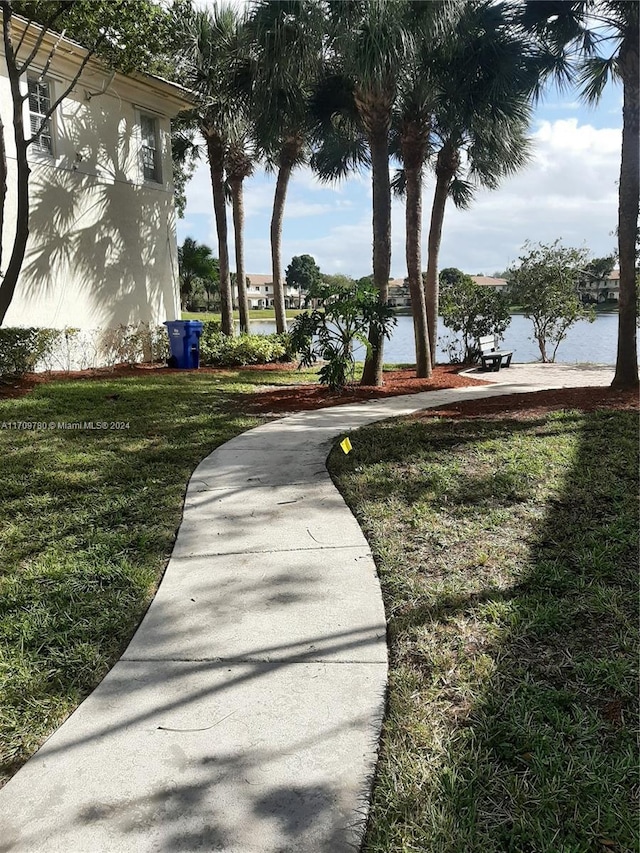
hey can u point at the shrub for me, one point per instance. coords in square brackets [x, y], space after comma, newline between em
[472, 311]
[135, 343]
[349, 312]
[21, 349]
[218, 350]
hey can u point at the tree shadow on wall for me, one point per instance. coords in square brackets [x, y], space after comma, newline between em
[94, 229]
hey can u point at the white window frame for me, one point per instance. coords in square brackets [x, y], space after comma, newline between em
[36, 147]
[157, 177]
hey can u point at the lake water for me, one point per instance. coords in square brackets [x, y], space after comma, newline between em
[585, 342]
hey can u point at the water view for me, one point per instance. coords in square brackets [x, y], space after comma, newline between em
[585, 342]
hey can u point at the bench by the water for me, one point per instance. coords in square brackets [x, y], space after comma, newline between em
[493, 358]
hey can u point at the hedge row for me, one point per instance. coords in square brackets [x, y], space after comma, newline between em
[24, 350]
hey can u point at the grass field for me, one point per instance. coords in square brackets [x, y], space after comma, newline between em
[87, 522]
[507, 551]
[508, 556]
[267, 314]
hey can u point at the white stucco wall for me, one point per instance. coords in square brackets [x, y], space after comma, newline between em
[102, 246]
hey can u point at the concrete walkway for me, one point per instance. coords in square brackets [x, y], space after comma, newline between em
[244, 715]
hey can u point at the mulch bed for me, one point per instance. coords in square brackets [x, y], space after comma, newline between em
[278, 399]
[296, 398]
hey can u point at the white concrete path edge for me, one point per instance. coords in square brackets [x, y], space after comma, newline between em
[244, 715]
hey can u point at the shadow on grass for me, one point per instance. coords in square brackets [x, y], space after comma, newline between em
[88, 520]
[512, 705]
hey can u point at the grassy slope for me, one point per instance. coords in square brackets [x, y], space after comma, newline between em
[508, 558]
[87, 522]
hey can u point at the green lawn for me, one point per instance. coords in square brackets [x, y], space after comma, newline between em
[254, 314]
[508, 556]
[87, 522]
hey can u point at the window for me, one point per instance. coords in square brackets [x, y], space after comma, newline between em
[39, 106]
[149, 152]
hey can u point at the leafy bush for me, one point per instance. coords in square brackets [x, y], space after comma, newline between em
[134, 343]
[21, 349]
[349, 312]
[218, 350]
[471, 310]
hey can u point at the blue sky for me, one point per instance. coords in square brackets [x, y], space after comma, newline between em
[568, 191]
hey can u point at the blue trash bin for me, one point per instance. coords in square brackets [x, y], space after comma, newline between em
[184, 339]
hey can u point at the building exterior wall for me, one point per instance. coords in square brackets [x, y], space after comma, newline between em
[102, 246]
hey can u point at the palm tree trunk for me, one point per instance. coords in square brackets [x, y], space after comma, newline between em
[237, 197]
[626, 375]
[379, 147]
[282, 184]
[445, 170]
[215, 153]
[413, 222]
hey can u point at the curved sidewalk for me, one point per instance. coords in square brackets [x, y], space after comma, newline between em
[244, 715]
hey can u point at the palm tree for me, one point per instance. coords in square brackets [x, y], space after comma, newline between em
[346, 128]
[486, 79]
[411, 144]
[240, 161]
[369, 42]
[287, 41]
[209, 59]
[195, 263]
[592, 43]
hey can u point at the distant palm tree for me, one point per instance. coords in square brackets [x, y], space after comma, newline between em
[589, 43]
[209, 42]
[287, 41]
[240, 159]
[196, 264]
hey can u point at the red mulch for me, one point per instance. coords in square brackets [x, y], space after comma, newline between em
[278, 399]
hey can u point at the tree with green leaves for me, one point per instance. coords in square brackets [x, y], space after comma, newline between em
[209, 64]
[368, 45]
[485, 76]
[185, 153]
[287, 38]
[196, 265]
[124, 34]
[304, 274]
[341, 281]
[411, 143]
[471, 310]
[591, 43]
[545, 285]
[240, 159]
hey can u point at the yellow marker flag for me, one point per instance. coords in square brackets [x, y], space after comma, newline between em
[345, 444]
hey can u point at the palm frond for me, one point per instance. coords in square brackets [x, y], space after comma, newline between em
[399, 183]
[462, 193]
[341, 152]
[594, 74]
